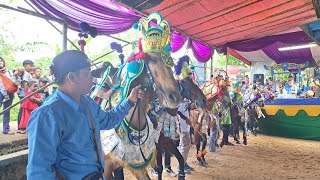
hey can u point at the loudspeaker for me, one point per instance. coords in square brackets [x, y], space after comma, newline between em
[313, 30]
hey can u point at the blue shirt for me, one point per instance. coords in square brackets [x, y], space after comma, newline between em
[60, 136]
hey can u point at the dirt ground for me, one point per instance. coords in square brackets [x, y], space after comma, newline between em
[265, 157]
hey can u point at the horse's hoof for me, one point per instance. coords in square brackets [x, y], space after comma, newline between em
[221, 144]
[237, 141]
[245, 142]
[202, 164]
[203, 161]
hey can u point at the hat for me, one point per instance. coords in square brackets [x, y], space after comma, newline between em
[26, 62]
[97, 72]
[69, 61]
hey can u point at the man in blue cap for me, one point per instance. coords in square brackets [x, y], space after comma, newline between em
[64, 133]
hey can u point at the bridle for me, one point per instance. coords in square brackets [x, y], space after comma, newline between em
[151, 87]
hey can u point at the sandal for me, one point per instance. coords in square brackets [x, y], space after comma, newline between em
[22, 132]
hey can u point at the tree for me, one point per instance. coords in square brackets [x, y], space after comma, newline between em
[221, 62]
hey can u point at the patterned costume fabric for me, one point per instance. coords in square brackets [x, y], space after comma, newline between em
[125, 151]
[135, 149]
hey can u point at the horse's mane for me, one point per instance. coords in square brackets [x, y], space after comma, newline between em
[179, 65]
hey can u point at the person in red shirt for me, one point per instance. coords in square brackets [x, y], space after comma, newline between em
[246, 80]
[29, 105]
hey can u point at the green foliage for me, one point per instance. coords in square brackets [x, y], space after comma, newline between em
[221, 62]
[236, 62]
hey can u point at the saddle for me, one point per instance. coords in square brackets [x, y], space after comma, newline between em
[210, 90]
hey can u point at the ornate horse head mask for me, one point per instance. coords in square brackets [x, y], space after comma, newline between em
[154, 48]
[188, 87]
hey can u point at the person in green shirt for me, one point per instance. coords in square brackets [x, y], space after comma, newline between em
[225, 123]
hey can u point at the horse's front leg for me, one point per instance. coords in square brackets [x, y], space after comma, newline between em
[203, 149]
[197, 139]
[142, 175]
[108, 169]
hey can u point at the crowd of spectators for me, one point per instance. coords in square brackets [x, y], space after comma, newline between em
[22, 82]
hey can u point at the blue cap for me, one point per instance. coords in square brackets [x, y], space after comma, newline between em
[69, 61]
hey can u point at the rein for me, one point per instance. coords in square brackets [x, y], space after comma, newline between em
[151, 86]
[138, 106]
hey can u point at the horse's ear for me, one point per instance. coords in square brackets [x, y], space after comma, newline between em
[112, 68]
[108, 64]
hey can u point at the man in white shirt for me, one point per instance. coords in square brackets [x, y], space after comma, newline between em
[185, 141]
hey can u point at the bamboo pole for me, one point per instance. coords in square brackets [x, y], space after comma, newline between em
[108, 53]
[25, 98]
[32, 13]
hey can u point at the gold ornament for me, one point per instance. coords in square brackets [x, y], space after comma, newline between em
[155, 38]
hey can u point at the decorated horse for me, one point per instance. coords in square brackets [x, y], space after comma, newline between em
[253, 101]
[216, 93]
[239, 114]
[187, 84]
[132, 143]
[189, 90]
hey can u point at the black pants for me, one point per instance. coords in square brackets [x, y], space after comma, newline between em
[166, 143]
[226, 129]
[167, 158]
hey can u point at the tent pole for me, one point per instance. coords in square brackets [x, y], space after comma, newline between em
[211, 64]
[64, 36]
[205, 72]
[227, 58]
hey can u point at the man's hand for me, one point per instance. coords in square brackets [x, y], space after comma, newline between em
[136, 93]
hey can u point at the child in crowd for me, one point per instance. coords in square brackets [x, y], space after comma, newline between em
[29, 105]
[18, 73]
[45, 92]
